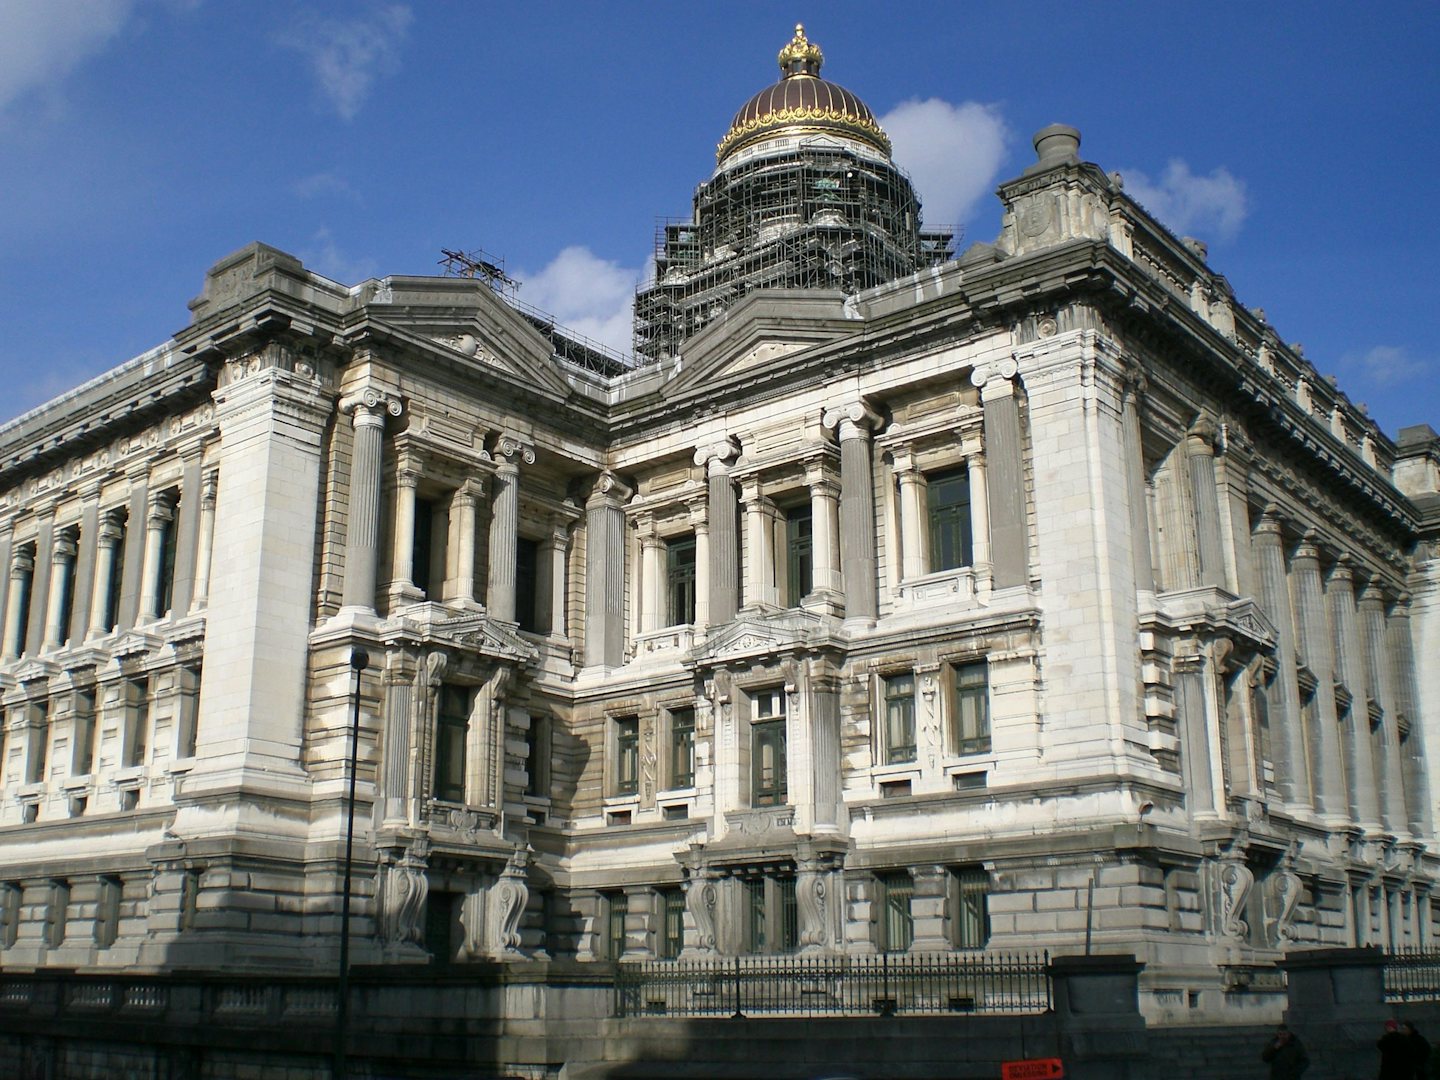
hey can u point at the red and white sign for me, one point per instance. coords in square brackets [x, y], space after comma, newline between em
[1033, 1069]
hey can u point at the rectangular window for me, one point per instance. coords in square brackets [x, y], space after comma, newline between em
[672, 929]
[537, 757]
[431, 523]
[680, 580]
[616, 907]
[107, 912]
[799, 555]
[627, 755]
[137, 721]
[895, 924]
[527, 569]
[66, 583]
[82, 758]
[757, 941]
[452, 739]
[768, 785]
[9, 914]
[788, 932]
[970, 894]
[899, 727]
[682, 748]
[57, 911]
[948, 502]
[972, 708]
[120, 519]
[165, 586]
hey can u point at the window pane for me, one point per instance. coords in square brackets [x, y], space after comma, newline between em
[972, 914]
[682, 748]
[680, 579]
[619, 907]
[972, 709]
[452, 727]
[899, 731]
[769, 762]
[799, 554]
[948, 498]
[672, 940]
[627, 755]
[789, 915]
[527, 569]
[897, 925]
[755, 921]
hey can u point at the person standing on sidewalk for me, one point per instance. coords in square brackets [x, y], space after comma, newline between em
[1286, 1055]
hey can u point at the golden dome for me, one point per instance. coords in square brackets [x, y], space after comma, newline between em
[802, 103]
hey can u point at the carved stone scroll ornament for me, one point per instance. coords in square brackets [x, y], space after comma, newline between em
[1285, 892]
[404, 887]
[1236, 880]
[812, 898]
[700, 901]
[508, 897]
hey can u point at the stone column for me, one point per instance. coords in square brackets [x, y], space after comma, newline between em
[396, 765]
[1350, 651]
[653, 615]
[700, 522]
[462, 506]
[605, 572]
[1292, 768]
[160, 513]
[1205, 500]
[1190, 676]
[111, 532]
[913, 538]
[760, 542]
[84, 577]
[62, 585]
[1135, 486]
[184, 534]
[504, 526]
[132, 570]
[824, 531]
[979, 515]
[724, 597]
[205, 545]
[1387, 735]
[927, 908]
[22, 575]
[550, 589]
[367, 410]
[1009, 535]
[39, 587]
[402, 583]
[1401, 649]
[1317, 644]
[854, 425]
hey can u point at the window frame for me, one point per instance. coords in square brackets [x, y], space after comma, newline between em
[671, 935]
[446, 760]
[894, 912]
[625, 738]
[970, 921]
[949, 524]
[680, 579]
[768, 730]
[963, 741]
[799, 554]
[681, 756]
[893, 701]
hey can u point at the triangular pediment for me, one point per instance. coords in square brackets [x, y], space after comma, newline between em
[760, 634]
[761, 335]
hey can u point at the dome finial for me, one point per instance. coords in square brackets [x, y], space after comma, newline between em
[800, 57]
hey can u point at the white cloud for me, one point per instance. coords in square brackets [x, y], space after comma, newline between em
[1387, 365]
[953, 153]
[347, 56]
[42, 41]
[1187, 203]
[325, 258]
[324, 184]
[592, 296]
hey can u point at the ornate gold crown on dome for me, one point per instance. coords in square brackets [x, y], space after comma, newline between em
[802, 103]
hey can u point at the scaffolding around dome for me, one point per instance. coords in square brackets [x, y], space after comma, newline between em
[816, 216]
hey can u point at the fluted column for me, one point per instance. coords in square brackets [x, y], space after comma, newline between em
[402, 582]
[160, 513]
[1205, 499]
[1191, 674]
[760, 543]
[854, 425]
[605, 572]
[824, 531]
[1292, 770]
[504, 526]
[653, 615]
[22, 575]
[1004, 454]
[1401, 651]
[1135, 486]
[550, 589]
[913, 539]
[62, 585]
[1351, 664]
[111, 532]
[205, 545]
[83, 577]
[979, 514]
[1317, 644]
[462, 505]
[722, 511]
[368, 410]
[1386, 733]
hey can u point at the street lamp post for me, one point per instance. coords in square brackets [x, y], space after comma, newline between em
[359, 661]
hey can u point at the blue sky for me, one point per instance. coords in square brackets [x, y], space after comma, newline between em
[142, 140]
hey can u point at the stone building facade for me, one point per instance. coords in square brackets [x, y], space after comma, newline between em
[1037, 598]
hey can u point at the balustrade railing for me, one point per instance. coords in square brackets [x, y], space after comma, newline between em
[887, 984]
[1412, 975]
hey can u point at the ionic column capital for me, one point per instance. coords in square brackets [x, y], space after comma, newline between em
[66, 546]
[854, 420]
[511, 453]
[608, 490]
[718, 456]
[995, 378]
[370, 406]
[160, 508]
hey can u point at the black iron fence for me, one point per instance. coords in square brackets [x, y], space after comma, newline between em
[916, 984]
[1412, 975]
